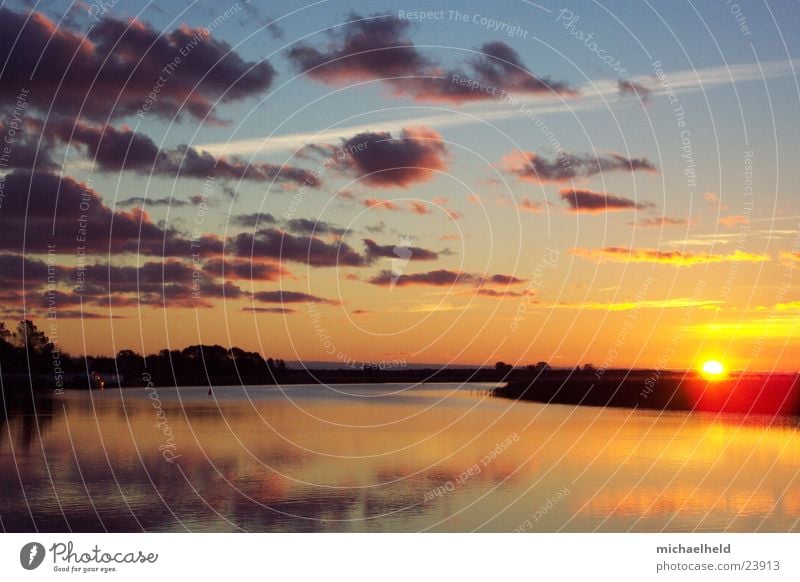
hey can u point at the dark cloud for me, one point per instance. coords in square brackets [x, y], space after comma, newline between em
[498, 65]
[41, 209]
[566, 167]
[111, 72]
[588, 201]
[169, 283]
[282, 310]
[385, 161]
[315, 227]
[378, 228]
[115, 150]
[295, 225]
[277, 244]
[503, 280]
[281, 296]
[252, 220]
[378, 47]
[15, 268]
[19, 135]
[632, 88]
[376, 251]
[243, 269]
[150, 277]
[77, 314]
[440, 278]
[140, 201]
[501, 293]
[364, 48]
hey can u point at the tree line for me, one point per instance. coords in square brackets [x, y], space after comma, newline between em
[27, 352]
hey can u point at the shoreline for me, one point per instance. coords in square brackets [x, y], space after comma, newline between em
[764, 394]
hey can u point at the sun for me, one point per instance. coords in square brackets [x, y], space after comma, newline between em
[713, 369]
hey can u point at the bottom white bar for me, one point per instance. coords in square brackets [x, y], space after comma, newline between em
[401, 557]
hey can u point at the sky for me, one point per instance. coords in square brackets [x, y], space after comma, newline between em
[411, 182]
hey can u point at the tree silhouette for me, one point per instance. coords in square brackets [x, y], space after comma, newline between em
[503, 368]
[31, 337]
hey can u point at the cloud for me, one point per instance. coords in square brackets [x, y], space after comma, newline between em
[384, 161]
[376, 251]
[281, 310]
[502, 294]
[734, 220]
[378, 228]
[525, 204]
[110, 71]
[675, 258]
[42, 209]
[498, 65]
[420, 208]
[412, 206]
[678, 302]
[378, 48]
[169, 283]
[781, 327]
[199, 294]
[790, 258]
[281, 296]
[660, 221]
[632, 88]
[26, 153]
[295, 225]
[714, 201]
[77, 314]
[379, 204]
[243, 269]
[364, 48]
[277, 244]
[140, 201]
[503, 280]
[252, 220]
[595, 98]
[115, 150]
[440, 278]
[15, 268]
[315, 227]
[588, 201]
[567, 167]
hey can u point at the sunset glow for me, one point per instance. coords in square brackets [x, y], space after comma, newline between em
[713, 369]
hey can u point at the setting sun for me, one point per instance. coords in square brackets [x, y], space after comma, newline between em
[713, 368]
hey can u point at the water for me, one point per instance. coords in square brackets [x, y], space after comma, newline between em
[387, 457]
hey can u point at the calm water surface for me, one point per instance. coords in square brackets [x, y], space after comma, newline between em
[386, 457]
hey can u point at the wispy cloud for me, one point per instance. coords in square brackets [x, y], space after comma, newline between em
[781, 328]
[679, 302]
[674, 258]
[593, 96]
